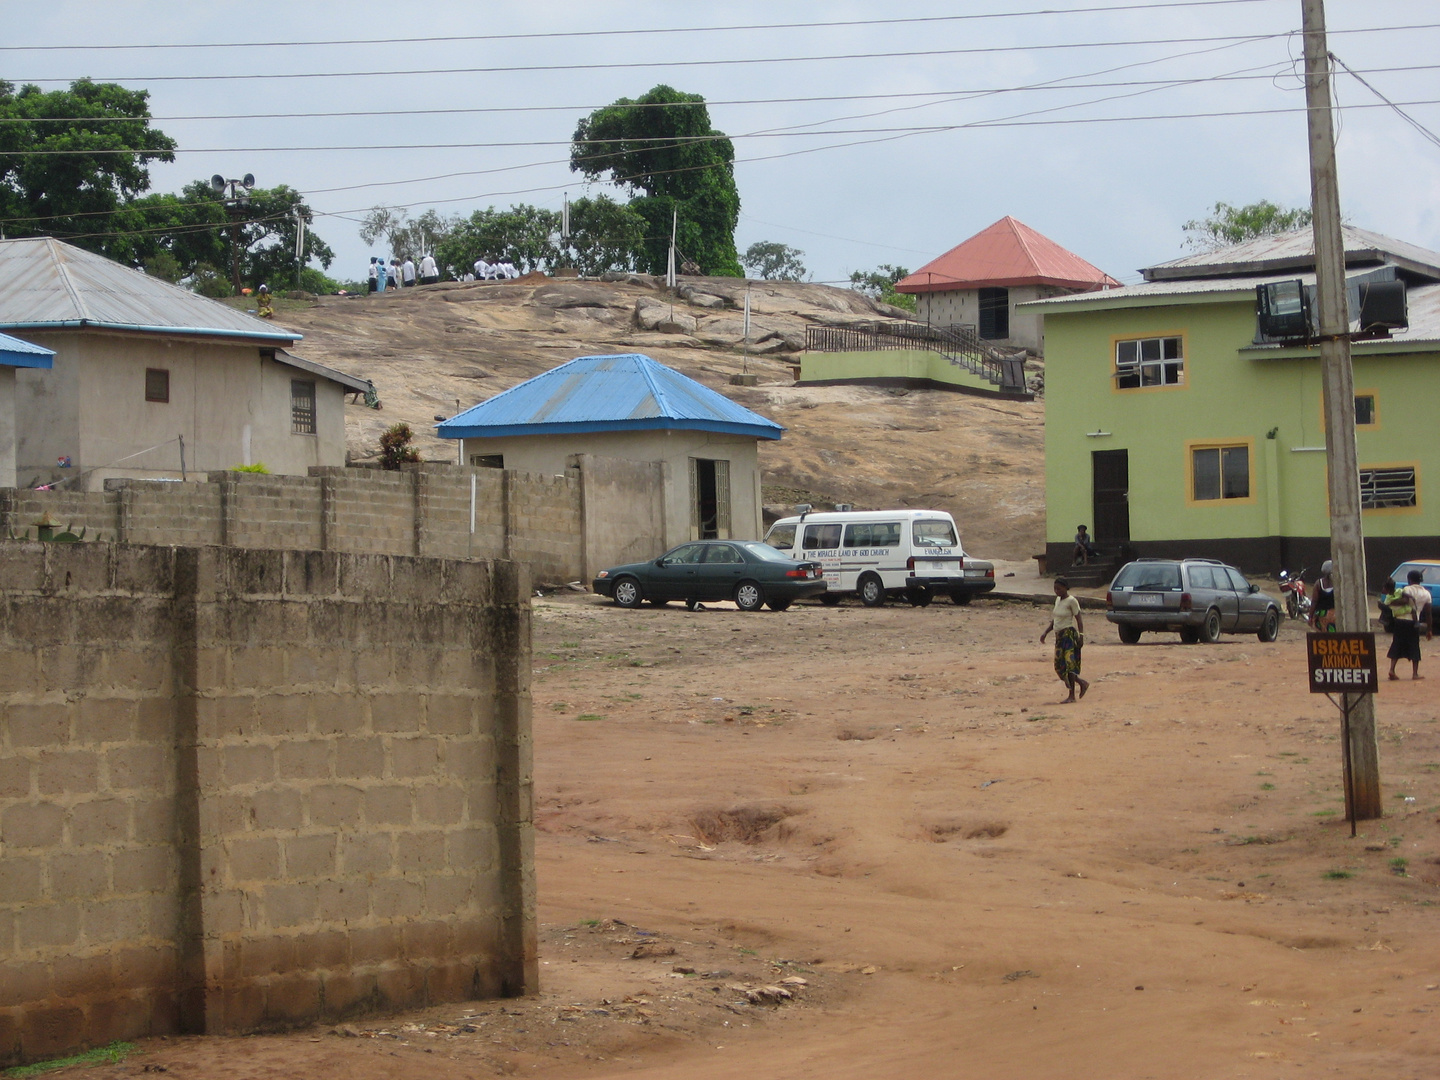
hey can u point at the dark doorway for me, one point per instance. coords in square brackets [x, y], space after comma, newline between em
[1111, 480]
[709, 499]
[994, 314]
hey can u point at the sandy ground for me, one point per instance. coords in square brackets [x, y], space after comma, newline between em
[958, 876]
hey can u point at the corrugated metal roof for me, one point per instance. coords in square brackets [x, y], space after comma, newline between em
[1296, 250]
[627, 392]
[46, 284]
[1005, 254]
[299, 363]
[17, 353]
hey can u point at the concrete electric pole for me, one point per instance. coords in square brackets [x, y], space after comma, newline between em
[1347, 541]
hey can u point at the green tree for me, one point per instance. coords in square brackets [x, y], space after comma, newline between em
[407, 238]
[879, 284]
[395, 448]
[526, 235]
[195, 227]
[770, 261]
[605, 235]
[1228, 224]
[662, 148]
[69, 159]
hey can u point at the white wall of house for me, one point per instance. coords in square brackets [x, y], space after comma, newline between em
[231, 405]
[672, 448]
[1027, 329]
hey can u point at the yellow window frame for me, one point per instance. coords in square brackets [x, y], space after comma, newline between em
[1221, 445]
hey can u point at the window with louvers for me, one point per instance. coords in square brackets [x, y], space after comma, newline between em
[302, 407]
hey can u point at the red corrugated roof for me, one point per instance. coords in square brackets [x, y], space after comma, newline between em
[1007, 253]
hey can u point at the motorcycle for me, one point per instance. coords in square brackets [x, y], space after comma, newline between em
[1297, 597]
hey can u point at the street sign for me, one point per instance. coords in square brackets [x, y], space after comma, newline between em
[1342, 663]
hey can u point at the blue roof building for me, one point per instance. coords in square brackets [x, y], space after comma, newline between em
[611, 415]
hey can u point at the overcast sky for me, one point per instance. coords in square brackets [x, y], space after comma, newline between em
[1117, 193]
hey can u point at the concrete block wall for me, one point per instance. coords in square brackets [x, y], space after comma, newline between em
[247, 789]
[420, 510]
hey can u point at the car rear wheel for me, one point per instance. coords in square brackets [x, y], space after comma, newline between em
[919, 597]
[749, 596]
[627, 592]
[1210, 628]
[871, 590]
[830, 599]
[777, 605]
[1130, 635]
[1270, 627]
[960, 597]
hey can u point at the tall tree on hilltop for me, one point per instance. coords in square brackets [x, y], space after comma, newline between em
[69, 159]
[662, 148]
[1228, 224]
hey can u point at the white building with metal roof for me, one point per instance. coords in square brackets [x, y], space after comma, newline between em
[152, 381]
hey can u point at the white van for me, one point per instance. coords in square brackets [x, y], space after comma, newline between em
[881, 553]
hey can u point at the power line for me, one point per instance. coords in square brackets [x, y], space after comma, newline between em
[1057, 84]
[548, 35]
[1421, 128]
[632, 65]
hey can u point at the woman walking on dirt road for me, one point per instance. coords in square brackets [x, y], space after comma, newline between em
[1069, 627]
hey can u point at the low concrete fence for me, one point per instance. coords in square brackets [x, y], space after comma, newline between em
[249, 789]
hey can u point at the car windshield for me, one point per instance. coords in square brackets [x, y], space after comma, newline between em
[1430, 575]
[1137, 575]
[935, 533]
[765, 552]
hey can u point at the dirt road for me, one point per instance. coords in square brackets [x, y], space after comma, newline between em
[958, 876]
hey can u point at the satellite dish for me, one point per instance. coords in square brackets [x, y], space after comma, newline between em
[217, 182]
[249, 180]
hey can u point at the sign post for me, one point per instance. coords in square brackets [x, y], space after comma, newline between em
[1344, 663]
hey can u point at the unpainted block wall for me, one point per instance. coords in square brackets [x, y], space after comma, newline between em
[421, 510]
[246, 789]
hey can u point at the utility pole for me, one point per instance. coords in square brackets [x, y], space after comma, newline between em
[1347, 540]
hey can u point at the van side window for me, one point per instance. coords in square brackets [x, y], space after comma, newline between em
[936, 533]
[822, 537]
[781, 537]
[873, 534]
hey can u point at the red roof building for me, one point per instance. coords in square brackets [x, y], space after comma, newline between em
[979, 282]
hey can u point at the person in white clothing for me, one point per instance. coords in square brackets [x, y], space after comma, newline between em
[1069, 627]
[482, 269]
[429, 272]
[407, 272]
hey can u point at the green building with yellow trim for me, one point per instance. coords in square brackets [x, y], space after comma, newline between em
[1181, 421]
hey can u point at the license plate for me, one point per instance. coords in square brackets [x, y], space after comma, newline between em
[974, 573]
[939, 566]
[1144, 599]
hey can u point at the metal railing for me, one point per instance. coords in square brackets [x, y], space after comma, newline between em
[958, 343]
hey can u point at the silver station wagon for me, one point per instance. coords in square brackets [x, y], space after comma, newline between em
[1199, 598]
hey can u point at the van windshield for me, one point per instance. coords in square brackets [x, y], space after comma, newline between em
[935, 533]
[1138, 575]
[781, 537]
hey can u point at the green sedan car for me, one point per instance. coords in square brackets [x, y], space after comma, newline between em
[746, 571]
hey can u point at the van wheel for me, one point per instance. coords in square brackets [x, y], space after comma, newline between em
[830, 599]
[1130, 635]
[1210, 628]
[919, 597]
[961, 597]
[749, 596]
[777, 605]
[1270, 628]
[871, 590]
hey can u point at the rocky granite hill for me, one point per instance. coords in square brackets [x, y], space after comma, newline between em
[437, 349]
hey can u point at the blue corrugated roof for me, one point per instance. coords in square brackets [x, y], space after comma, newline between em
[17, 353]
[628, 392]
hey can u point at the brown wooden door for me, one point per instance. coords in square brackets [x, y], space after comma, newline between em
[1111, 480]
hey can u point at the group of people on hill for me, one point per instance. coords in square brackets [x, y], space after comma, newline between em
[402, 275]
[503, 270]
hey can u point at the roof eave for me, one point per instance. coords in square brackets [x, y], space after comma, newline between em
[451, 430]
[1005, 283]
[10, 358]
[280, 337]
[1114, 299]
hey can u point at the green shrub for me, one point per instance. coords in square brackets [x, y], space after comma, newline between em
[258, 467]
